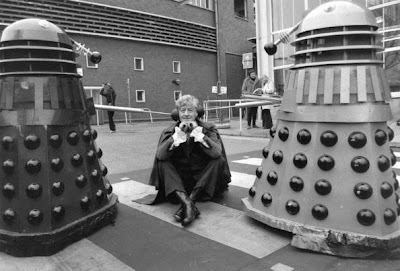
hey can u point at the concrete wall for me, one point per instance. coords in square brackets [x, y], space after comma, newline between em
[233, 35]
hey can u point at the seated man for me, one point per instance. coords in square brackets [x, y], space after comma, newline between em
[190, 162]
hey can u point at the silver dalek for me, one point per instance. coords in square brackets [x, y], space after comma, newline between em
[54, 189]
[327, 174]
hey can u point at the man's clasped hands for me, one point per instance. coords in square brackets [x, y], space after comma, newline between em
[188, 128]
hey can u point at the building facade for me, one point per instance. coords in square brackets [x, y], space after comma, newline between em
[153, 51]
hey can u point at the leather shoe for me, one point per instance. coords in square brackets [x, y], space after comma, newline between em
[255, 126]
[179, 215]
[191, 213]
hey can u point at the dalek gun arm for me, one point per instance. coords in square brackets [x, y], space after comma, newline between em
[95, 57]
[271, 48]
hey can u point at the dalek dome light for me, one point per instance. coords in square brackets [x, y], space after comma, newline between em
[35, 29]
[36, 47]
[336, 14]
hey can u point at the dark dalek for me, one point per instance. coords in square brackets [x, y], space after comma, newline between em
[54, 189]
[327, 174]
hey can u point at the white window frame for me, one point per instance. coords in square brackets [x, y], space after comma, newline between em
[143, 96]
[89, 64]
[141, 62]
[179, 67]
[177, 92]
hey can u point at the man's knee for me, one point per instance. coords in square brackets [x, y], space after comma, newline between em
[165, 165]
[218, 162]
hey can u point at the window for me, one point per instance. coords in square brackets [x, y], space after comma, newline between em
[206, 4]
[240, 7]
[140, 96]
[177, 94]
[176, 66]
[89, 63]
[79, 70]
[138, 64]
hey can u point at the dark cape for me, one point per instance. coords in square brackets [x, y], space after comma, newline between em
[157, 180]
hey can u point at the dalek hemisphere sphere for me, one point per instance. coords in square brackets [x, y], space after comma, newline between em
[36, 46]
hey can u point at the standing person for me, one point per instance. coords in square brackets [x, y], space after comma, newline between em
[268, 89]
[190, 163]
[250, 83]
[108, 92]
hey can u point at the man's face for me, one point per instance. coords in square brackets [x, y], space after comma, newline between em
[253, 75]
[187, 113]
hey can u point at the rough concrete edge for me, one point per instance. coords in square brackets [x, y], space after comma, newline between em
[49, 243]
[328, 241]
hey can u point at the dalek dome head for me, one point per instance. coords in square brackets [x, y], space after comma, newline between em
[337, 32]
[35, 29]
[36, 46]
[337, 14]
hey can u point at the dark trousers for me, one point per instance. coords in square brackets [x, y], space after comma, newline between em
[251, 115]
[206, 179]
[266, 118]
[111, 120]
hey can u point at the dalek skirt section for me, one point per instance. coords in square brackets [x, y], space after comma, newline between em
[54, 189]
[327, 174]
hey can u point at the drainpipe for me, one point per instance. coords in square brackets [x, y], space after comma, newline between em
[264, 36]
[218, 48]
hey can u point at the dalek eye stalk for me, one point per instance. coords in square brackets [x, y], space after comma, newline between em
[327, 172]
[54, 185]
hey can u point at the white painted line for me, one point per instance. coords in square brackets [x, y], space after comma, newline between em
[281, 267]
[82, 255]
[222, 224]
[125, 178]
[398, 178]
[250, 161]
[397, 165]
[396, 153]
[242, 179]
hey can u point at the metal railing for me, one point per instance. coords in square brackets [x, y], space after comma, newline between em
[145, 110]
[207, 105]
[126, 110]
